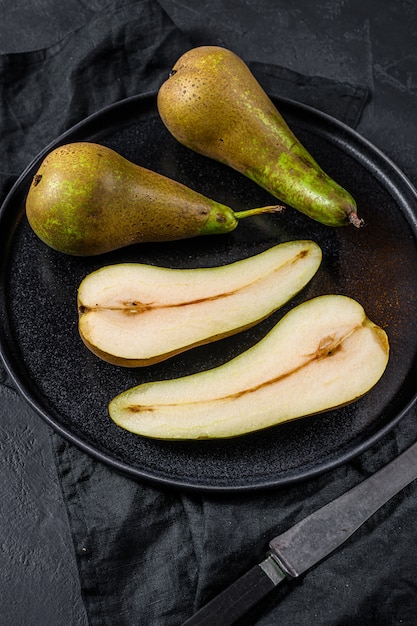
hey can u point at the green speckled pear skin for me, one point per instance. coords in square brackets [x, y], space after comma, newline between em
[86, 199]
[213, 104]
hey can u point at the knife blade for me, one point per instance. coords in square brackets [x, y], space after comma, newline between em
[308, 542]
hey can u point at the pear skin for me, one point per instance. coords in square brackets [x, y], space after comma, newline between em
[132, 314]
[213, 104]
[323, 354]
[86, 199]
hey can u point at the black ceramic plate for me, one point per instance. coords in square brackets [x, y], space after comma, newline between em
[377, 265]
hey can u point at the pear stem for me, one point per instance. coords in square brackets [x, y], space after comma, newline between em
[355, 220]
[258, 211]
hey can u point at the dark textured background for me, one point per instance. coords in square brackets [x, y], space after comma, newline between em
[363, 42]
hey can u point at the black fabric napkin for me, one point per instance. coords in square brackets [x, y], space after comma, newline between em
[148, 555]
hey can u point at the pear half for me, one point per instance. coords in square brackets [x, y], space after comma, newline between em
[323, 354]
[133, 314]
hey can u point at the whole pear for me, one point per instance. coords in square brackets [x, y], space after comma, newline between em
[213, 104]
[86, 199]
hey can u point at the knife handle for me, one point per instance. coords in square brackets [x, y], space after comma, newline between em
[235, 601]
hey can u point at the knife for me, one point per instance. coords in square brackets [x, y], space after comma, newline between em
[311, 540]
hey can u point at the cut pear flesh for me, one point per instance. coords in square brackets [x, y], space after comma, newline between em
[323, 354]
[133, 314]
